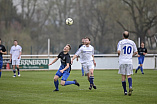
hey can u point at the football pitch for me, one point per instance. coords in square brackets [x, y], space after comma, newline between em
[36, 87]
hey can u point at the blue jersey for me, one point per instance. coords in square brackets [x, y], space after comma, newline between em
[3, 49]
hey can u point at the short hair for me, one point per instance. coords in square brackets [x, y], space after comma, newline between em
[142, 42]
[125, 35]
[87, 38]
[0, 38]
[69, 46]
[15, 40]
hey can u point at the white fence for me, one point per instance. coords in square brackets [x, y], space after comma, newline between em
[103, 61]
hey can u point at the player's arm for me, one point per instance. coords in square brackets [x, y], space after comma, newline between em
[145, 52]
[135, 50]
[94, 60]
[67, 66]
[20, 55]
[53, 61]
[76, 55]
[118, 48]
[3, 52]
[118, 52]
[134, 53]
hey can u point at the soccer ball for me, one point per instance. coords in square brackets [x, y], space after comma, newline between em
[69, 21]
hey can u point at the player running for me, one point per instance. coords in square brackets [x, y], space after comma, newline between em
[80, 56]
[126, 49]
[142, 51]
[64, 69]
[87, 60]
[15, 57]
[2, 51]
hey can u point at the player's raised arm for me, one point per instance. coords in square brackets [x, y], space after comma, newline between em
[53, 61]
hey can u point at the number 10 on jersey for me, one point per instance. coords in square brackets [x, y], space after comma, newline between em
[127, 49]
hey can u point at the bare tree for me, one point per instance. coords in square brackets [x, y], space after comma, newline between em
[142, 16]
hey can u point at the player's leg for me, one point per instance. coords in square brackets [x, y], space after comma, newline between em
[141, 64]
[14, 70]
[64, 81]
[129, 73]
[56, 83]
[91, 79]
[139, 61]
[82, 71]
[124, 84]
[122, 71]
[18, 70]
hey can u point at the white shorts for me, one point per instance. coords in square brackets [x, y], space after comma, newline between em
[16, 62]
[87, 66]
[126, 69]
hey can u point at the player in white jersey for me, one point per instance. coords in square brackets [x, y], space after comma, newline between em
[86, 53]
[15, 57]
[126, 49]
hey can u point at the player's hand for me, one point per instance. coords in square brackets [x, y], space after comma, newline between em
[71, 62]
[19, 57]
[144, 53]
[49, 64]
[138, 55]
[10, 60]
[94, 63]
[77, 59]
[61, 71]
[1, 51]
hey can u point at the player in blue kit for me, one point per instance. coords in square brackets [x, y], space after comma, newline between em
[2, 51]
[142, 51]
[65, 68]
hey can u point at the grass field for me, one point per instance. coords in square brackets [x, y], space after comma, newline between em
[35, 87]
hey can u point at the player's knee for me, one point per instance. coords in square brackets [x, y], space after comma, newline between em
[55, 79]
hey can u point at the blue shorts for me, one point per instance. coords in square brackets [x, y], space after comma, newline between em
[65, 74]
[1, 64]
[141, 59]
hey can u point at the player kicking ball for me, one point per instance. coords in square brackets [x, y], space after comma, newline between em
[87, 60]
[65, 68]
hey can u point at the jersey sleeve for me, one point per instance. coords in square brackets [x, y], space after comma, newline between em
[146, 50]
[119, 46]
[3, 49]
[59, 55]
[11, 50]
[20, 49]
[134, 48]
[93, 51]
[78, 51]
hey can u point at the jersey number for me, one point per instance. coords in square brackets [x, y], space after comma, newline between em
[127, 50]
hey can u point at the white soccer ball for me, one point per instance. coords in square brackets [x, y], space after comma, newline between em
[69, 21]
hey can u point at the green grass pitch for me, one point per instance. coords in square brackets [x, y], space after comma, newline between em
[36, 87]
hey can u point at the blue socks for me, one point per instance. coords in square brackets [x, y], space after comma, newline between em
[91, 80]
[130, 82]
[0, 74]
[141, 69]
[124, 86]
[18, 71]
[138, 67]
[14, 71]
[56, 84]
[82, 72]
[69, 82]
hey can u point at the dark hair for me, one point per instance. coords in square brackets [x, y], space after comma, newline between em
[15, 40]
[142, 42]
[125, 35]
[87, 38]
[0, 38]
[69, 46]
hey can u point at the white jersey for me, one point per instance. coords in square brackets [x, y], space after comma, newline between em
[126, 48]
[85, 53]
[15, 51]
